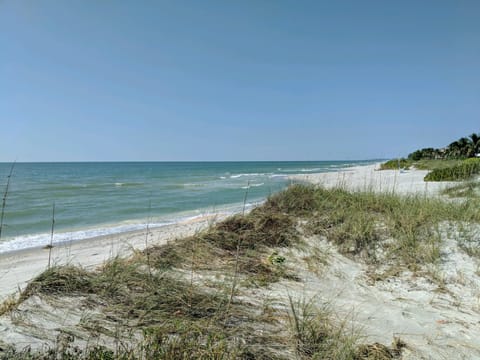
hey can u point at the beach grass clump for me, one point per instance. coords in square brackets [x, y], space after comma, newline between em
[174, 318]
[317, 335]
[379, 225]
[60, 280]
[467, 189]
[241, 241]
[260, 228]
[396, 164]
[128, 289]
[462, 171]
[297, 200]
[432, 164]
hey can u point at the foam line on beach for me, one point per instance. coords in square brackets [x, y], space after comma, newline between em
[62, 237]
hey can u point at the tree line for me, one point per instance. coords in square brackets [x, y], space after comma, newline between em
[465, 147]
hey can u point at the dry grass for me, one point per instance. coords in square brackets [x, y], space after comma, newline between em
[316, 334]
[383, 227]
[215, 249]
[178, 318]
[467, 189]
[175, 319]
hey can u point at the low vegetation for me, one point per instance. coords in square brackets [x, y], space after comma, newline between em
[406, 164]
[182, 300]
[364, 223]
[459, 172]
[466, 189]
[396, 164]
[460, 160]
[441, 170]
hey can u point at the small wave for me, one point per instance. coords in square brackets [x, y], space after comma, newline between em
[301, 170]
[193, 185]
[127, 184]
[246, 175]
[278, 176]
[37, 240]
[252, 185]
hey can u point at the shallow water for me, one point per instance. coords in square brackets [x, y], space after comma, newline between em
[100, 198]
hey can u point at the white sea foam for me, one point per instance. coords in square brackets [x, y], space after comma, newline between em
[278, 176]
[302, 170]
[43, 239]
[252, 185]
[247, 175]
[37, 240]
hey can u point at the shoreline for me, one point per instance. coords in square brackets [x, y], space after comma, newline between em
[18, 267]
[371, 178]
[412, 305]
[68, 236]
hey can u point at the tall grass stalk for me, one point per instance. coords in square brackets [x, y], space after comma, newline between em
[237, 253]
[5, 195]
[51, 235]
[147, 250]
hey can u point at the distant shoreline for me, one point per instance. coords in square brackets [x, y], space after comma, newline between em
[370, 178]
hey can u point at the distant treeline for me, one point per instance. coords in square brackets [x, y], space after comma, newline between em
[465, 147]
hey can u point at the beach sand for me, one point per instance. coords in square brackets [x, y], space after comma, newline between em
[17, 268]
[370, 178]
[434, 324]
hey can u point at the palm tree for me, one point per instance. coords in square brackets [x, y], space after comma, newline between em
[475, 144]
[454, 150]
[464, 144]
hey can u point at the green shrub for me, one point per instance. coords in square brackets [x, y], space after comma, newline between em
[463, 171]
[395, 164]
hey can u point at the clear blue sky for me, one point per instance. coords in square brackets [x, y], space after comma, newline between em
[235, 80]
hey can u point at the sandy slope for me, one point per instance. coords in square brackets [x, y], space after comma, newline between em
[437, 319]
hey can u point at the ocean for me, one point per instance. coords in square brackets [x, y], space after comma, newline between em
[100, 198]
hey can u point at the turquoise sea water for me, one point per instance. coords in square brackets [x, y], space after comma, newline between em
[94, 199]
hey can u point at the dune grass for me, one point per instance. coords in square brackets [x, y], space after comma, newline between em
[424, 164]
[256, 234]
[433, 164]
[396, 164]
[174, 319]
[316, 335]
[463, 170]
[154, 295]
[467, 189]
[375, 226]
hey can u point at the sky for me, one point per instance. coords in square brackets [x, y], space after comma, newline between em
[114, 80]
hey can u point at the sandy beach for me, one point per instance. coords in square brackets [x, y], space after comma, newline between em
[370, 178]
[17, 268]
[434, 324]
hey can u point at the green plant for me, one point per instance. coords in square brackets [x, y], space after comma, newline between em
[317, 334]
[396, 164]
[467, 189]
[463, 171]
